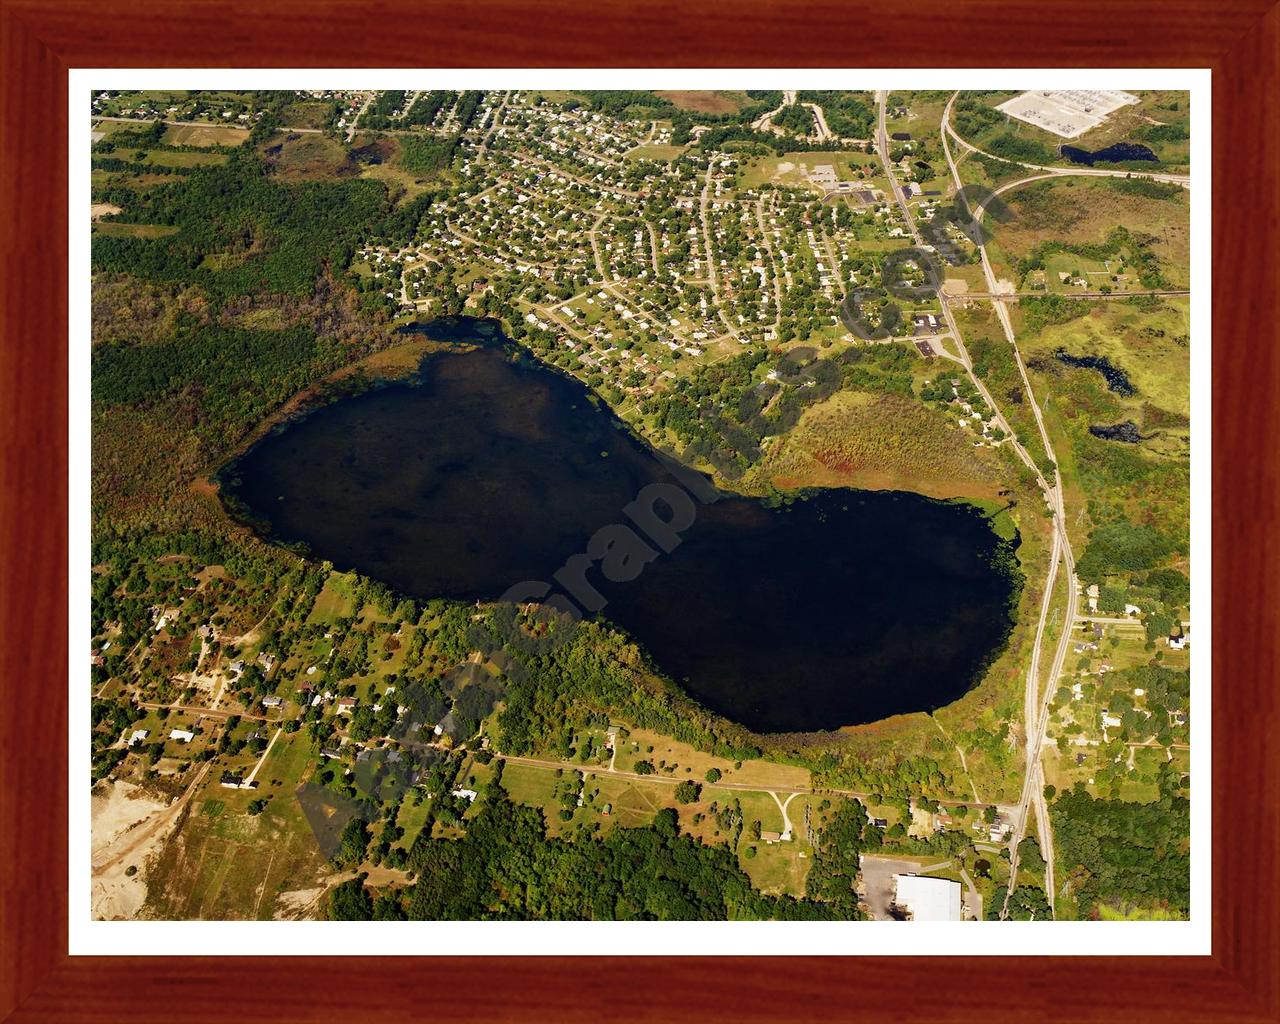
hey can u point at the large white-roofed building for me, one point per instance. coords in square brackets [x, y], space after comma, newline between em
[924, 898]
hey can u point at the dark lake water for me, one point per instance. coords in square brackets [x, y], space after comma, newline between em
[1116, 153]
[1117, 380]
[1127, 432]
[836, 609]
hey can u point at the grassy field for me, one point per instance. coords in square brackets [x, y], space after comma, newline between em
[529, 784]
[1149, 345]
[857, 439]
[972, 276]
[183, 158]
[204, 135]
[335, 600]
[654, 151]
[409, 185]
[794, 168]
[125, 230]
[307, 113]
[776, 868]
[1109, 913]
[685, 762]
[307, 157]
[1078, 211]
[708, 101]
[101, 179]
[224, 863]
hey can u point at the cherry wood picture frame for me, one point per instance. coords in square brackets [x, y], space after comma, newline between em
[41, 39]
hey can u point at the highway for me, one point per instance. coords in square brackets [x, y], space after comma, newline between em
[882, 144]
[1036, 702]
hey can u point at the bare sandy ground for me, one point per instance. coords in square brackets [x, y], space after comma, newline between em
[128, 829]
[102, 209]
[118, 810]
[299, 905]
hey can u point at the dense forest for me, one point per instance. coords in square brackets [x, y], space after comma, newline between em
[1125, 854]
[506, 867]
[848, 114]
[241, 230]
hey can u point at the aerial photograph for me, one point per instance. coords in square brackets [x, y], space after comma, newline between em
[593, 505]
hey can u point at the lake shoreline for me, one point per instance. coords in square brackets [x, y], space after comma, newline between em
[736, 527]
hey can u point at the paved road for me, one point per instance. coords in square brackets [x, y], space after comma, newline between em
[1014, 296]
[192, 124]
[824, 133]
[351, 128]
[975, 897]
[206, 712]
[764, 123]
[1036, 704]
[494, 123]
[963, 355]
[782, 806]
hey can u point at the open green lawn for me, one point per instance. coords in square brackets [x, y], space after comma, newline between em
[654, 151]
[307, 113]
[335, 599]
[183, 158]
[411, 818]
[1110, 913]
[692, 764]
[529, 784]
[776, 868]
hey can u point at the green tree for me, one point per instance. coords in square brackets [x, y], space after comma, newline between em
[687, 792]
